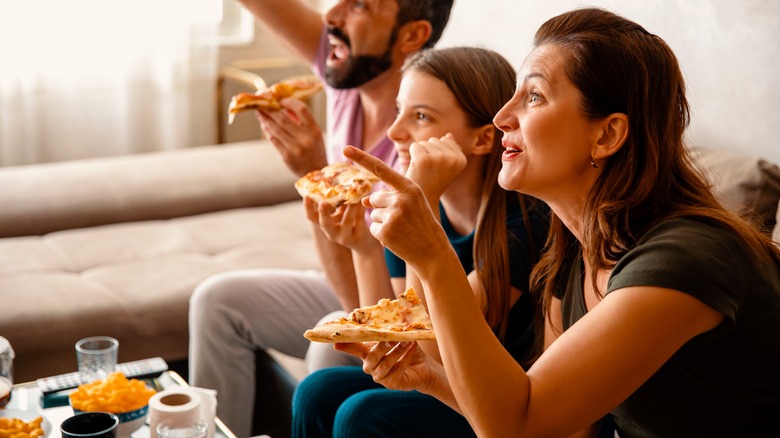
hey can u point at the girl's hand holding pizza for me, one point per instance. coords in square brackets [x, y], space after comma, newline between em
[345, 225]
[434, 164]
[402, 219]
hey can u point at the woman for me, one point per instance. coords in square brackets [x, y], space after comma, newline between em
[448, 145]
[662, 307]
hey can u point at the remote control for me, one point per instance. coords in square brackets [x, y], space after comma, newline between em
[138, 369]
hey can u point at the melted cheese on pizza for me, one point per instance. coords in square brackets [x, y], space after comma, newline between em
[403, 314]
[337, 183]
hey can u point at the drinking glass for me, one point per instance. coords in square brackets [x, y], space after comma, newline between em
[178, 429]
[97, 357]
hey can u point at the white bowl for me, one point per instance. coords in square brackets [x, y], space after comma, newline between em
[129, 422]
[27, 416]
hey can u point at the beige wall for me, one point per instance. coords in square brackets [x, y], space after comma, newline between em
[728, 51]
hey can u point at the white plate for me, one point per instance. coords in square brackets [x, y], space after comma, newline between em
[27, 416]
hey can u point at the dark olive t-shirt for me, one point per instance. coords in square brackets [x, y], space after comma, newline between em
[723, 383]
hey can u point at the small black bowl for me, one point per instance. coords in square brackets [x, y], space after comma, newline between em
[90, 425]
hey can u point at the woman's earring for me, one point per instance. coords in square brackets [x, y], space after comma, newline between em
[594, 163]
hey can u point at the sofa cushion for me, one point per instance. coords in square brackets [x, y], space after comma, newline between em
[41, 198]
[742, 182]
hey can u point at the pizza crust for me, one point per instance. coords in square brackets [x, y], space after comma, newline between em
[335, 332]
[402, 319]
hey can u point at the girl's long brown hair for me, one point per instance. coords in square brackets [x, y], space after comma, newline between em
[619, 67]
[482, 82]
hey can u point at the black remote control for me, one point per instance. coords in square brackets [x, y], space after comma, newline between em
[138, 369]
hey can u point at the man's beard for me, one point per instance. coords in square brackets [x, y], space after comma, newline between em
[357, 70]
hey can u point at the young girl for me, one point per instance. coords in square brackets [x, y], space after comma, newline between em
[663, 307]
[448, 145]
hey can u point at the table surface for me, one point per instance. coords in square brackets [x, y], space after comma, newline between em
[27, 397]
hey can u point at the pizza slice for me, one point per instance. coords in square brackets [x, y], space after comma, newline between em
[402, 319]
[268, 99]
[337, 184]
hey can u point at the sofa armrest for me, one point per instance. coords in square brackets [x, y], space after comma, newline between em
[41, 198]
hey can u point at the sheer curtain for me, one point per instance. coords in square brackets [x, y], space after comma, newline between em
[90, 78]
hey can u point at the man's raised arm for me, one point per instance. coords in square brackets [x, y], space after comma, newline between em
[294, 23]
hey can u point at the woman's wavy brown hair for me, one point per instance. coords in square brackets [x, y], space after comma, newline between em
[482, 81]
[619, 67]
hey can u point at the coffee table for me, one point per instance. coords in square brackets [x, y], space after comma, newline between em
[27, 397]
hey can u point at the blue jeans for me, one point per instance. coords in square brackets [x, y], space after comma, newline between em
[346, 402]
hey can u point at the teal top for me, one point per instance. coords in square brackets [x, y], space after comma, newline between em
[519, 337]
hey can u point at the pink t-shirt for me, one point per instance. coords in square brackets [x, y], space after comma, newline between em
[345, 117]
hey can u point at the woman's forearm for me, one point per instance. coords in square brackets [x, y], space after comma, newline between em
[489, 386]
[440, 388]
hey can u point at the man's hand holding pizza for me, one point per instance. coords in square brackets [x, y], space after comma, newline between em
[295, 134]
